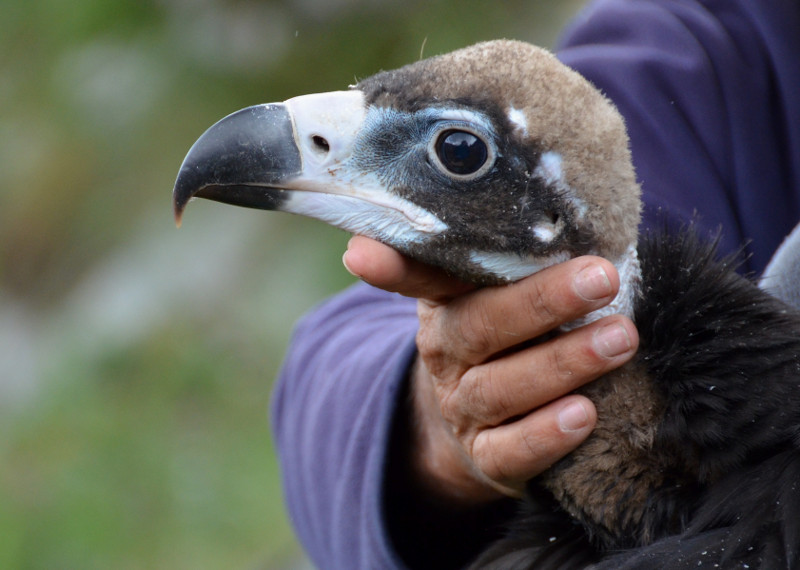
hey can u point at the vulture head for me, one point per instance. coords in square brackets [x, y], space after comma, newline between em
[491, 162]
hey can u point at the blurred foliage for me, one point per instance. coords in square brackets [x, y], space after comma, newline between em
[135, 359]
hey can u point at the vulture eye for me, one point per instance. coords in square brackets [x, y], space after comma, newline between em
[460, 152]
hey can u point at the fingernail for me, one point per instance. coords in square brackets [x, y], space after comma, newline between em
[592, 283]
[573, 417]
[344, 262]
[612, 340]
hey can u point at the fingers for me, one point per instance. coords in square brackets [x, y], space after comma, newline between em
[475, 327]
[491, 393]
[503, 389]
[509, 455]
[514, 417]
[383, 267]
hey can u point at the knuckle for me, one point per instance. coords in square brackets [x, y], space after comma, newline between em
[463, 405]
[458, 333]
[491, 458]
[559, 362]
[438, 358]
[490, 397]
[475, 330]
[450, 408]
[472, 394]
[530, 445]
[572, 358]
[428, 343]
[432, 344]
[536, 303]
[487, 459]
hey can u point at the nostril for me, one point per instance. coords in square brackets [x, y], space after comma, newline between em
[320, 143]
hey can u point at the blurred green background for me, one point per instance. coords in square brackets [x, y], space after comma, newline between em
[136, 360]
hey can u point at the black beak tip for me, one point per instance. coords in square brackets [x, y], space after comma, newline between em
[177, 212]
[239, 159]
[183, 191]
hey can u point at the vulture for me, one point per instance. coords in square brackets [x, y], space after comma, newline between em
[493, 162]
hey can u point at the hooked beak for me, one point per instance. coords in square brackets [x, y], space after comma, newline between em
[294, 157]
[247, 157]
[230, 163]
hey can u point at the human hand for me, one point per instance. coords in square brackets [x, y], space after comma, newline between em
[492, 403]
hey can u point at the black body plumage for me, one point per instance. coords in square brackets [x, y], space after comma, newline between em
[725, 357]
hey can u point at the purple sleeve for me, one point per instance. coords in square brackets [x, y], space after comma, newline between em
[331, 416]
[709, 93]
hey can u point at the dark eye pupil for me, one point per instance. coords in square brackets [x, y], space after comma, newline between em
[461, 152]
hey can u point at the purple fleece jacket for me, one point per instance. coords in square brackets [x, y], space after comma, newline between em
[710, 91]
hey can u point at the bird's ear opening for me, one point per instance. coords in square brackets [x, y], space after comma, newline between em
[549, 228]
